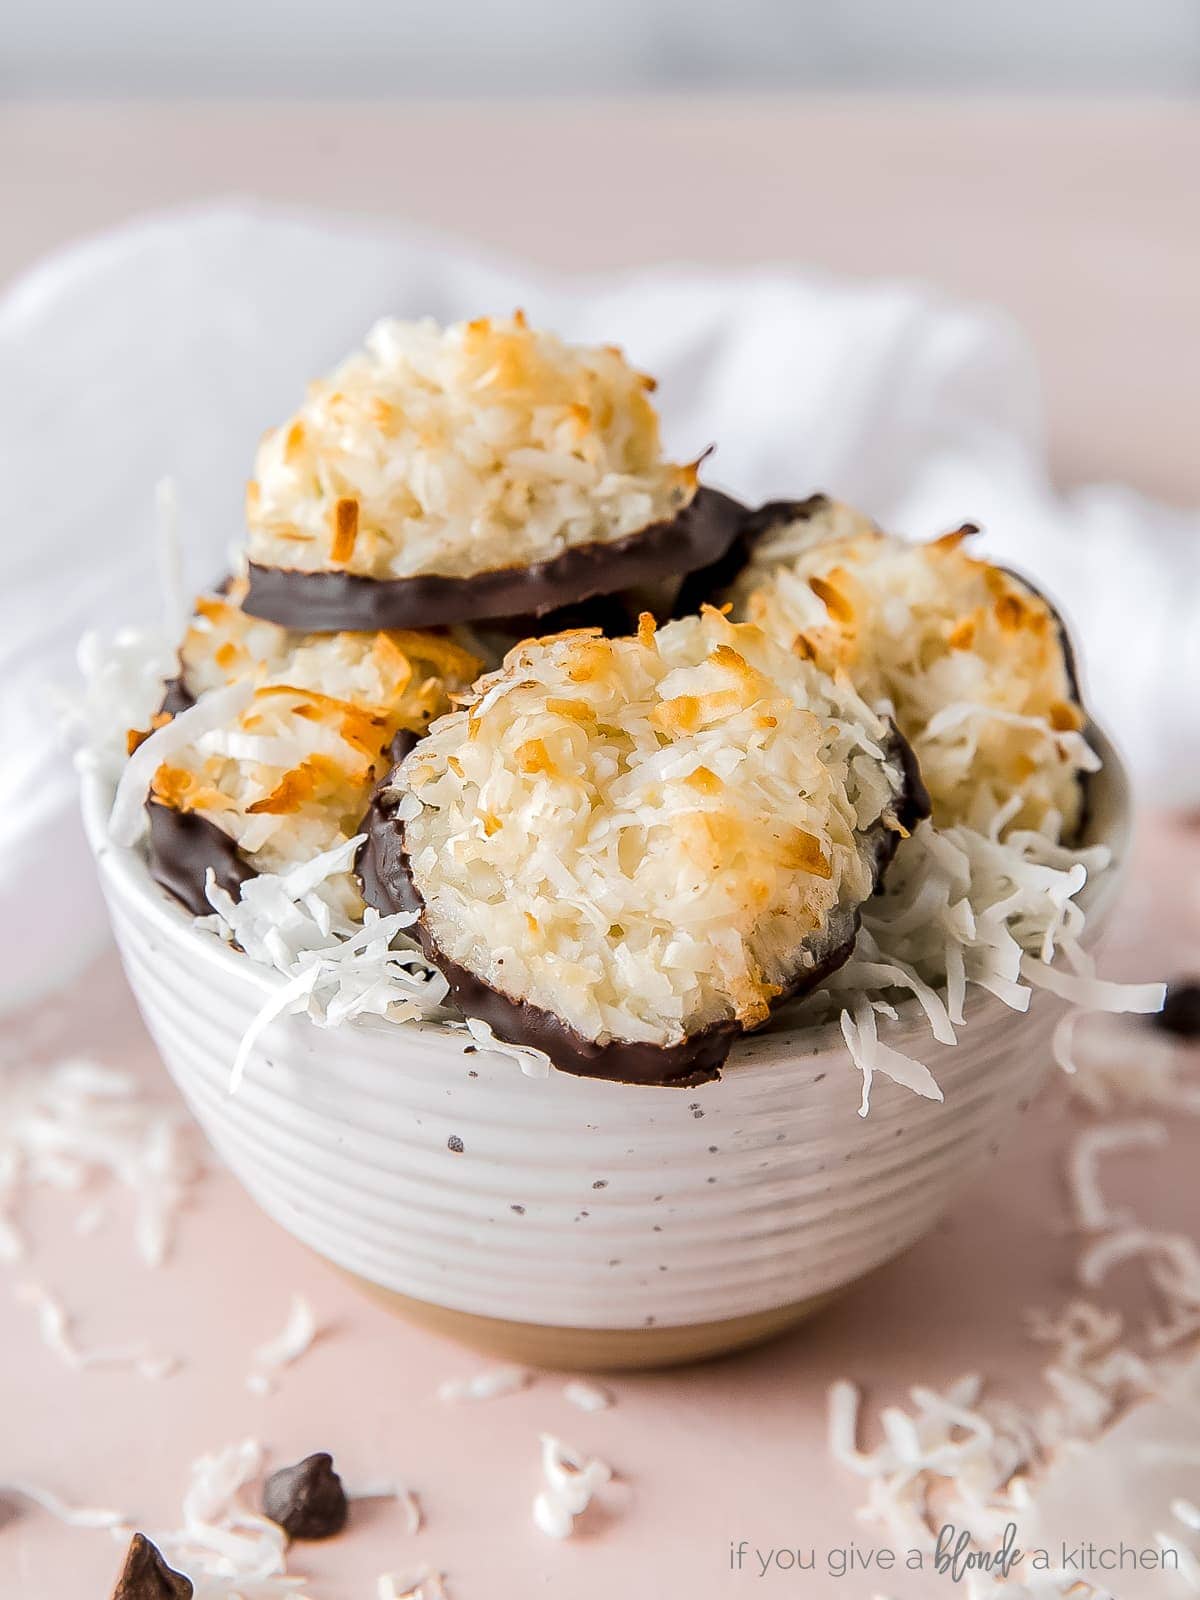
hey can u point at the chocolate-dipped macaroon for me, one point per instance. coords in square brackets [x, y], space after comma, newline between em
[475, 473]
[627, 852]
[291, 773]
[974, 663]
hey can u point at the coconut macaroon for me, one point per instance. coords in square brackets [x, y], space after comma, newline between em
[973, 663]
[627, 851]
[481, 471]
[290, 775]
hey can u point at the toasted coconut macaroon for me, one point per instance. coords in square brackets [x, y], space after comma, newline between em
[292, 774]
[973, 662]
[627, 851]
[482, 471]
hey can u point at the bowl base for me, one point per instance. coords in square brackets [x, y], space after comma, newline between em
[596, 1349]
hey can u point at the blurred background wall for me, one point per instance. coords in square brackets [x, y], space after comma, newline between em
[1037, 155]
[348, 48]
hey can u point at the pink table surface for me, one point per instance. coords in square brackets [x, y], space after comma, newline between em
[722, 1452]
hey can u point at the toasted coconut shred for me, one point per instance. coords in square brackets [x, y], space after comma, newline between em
[649, 835]
[460, 450]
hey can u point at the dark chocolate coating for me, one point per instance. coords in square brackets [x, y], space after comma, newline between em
[385, 871]
[1180, 1014]
[706, 585]
[307, 1500]
[146, 1576]
[328, 602]
[183, 845]
[177, 696]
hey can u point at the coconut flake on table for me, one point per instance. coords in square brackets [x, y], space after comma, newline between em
[388, 1489]
[571, 1483]
[229, 1551]
[974, 1461]
[490, 1384]
[588, 1397]
[1092, 1212]
[1115, 1064]
[425, 1584]
[71, 1516]
[485, 444]
[73, 1123]
[54, 1327]
[295, 1338]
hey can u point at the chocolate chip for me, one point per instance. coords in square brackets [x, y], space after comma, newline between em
[1180, 1014]
[146, 1576]
[307, 1500]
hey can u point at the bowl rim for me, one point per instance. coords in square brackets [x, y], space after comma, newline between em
[1109, 822]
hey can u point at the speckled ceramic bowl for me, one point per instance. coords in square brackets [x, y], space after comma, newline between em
[566, 1221]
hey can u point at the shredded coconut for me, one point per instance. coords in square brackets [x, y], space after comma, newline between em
[533, 1063]
[295, 1338]
[571, 1483]
[1092, 1212]
[426, 1584]
[127, 822]
[74, 1123]
[71, 1516]
[587, 1396]
[1116, 1066]
[490, 1384]
[487, 444]
[964, 1458]
[54, 1326]
[961, 908]
[229, 1551]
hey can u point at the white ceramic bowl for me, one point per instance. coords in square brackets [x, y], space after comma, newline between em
[582, 1222]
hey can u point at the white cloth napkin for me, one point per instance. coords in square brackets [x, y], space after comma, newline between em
[167, 347]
